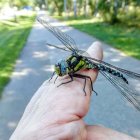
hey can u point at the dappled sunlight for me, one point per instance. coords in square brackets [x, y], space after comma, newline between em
[37, 25]
[4, 74]
[111, 51]
[134, 54]
[115, 60]
[9, 23]
[12, 125]
[112, 58]
[66, 29]
[119, 59]
[18, 61]
[53, 48]
[23, 72]
[136, 132]
[48, 68]
[40, 54]
[50, 47]
[82, 21]
[11, 92]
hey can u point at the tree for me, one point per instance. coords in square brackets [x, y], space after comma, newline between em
[109, 10]
[86, 10]
[75, 8]
[65, 8]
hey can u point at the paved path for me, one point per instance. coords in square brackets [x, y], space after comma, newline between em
[35, 65]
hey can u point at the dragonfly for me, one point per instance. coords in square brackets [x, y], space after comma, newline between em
[79, 59]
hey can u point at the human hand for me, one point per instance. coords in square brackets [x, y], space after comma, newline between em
[56, 113]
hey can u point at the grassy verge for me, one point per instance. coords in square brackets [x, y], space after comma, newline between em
[121, 36]
[13, 36]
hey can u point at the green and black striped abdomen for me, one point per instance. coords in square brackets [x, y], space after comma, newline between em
[112, 71]
[101, 67]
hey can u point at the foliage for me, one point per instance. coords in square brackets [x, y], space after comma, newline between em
[119, 36]
[111, 11]
[59, 5]
[18, 3]
[12, 40]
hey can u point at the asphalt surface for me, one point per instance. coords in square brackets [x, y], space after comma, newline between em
[35, 65]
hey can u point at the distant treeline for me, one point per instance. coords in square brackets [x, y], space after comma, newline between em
[111, 11]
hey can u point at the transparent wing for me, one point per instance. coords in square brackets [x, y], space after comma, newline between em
[83, 53]
[65, 39]
[52, 45]
[130, 91]
[125, 89]
[79, 52]
[126, 72]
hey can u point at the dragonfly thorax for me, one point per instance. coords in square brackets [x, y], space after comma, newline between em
[61, 68]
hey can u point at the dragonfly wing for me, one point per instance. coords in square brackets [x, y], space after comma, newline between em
[130, 90]
[126, 72]
[65, 39]
[58, 47]
[83, 53]
[125, 89]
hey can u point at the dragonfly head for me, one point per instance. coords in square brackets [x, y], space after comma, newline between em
[61, 68]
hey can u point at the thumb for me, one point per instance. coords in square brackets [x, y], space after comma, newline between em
[95, 51]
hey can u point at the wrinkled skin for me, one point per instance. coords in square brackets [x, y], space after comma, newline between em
[56, 113]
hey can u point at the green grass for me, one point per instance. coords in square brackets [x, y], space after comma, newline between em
[13, 36]
[121, 36]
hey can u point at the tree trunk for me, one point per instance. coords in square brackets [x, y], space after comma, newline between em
[86, 8]
[65, 9]
[58, 8]
[75, 8]
[115, 12]
[46, 4]
[96, 8]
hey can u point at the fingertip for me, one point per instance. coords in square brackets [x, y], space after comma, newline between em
[96, 51]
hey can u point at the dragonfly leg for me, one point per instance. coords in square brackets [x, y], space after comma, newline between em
[84, 77]
[52, 76]
[79, 76]
[55, 79]
[71, 79]
[95, 92]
